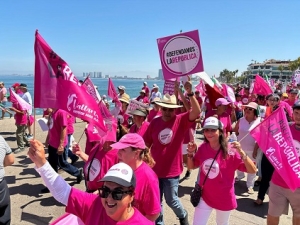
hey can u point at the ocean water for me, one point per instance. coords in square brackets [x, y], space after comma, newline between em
[133, 86]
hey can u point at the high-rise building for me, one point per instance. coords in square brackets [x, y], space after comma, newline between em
[160, 74]
[83, 74]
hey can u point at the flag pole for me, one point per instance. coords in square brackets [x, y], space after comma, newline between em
[34, 115]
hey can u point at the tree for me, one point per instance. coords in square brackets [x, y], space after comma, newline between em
[228, 76]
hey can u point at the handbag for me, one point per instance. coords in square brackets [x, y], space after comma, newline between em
[197, 192]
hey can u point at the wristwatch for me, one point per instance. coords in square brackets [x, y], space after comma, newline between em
[190, 94]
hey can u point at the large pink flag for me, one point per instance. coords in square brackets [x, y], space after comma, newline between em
[274, 138]
[261, 87]
[112, 93]
[91, 89]
[201, 88]
[15, 98]
[55, 86]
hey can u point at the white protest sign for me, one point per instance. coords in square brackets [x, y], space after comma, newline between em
[134, 104]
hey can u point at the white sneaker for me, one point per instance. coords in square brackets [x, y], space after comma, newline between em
[250, 191]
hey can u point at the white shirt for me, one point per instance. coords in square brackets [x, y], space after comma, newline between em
[27, 97]
[155, 95]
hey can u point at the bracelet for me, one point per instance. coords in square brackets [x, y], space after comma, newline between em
[190, 94]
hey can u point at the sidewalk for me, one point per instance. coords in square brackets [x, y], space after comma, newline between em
[31, 207]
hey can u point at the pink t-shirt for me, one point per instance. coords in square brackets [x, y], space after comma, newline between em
[71, 121]
[21, 119]
[238, 106]
[58, 120]
[89, 208]
[207, 104]
[125, 116]
[276, 178]
[218, 190]
[245, 99]
[3, 92]
[189, 134]
[101, 163]
[146, 90]
[291, 103]
[141, 130]
[147, 195]
[144, 99]
[153, 114]
[165, 140]
[286, 106]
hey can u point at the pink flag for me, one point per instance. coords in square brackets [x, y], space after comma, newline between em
[112, 93]
[274, 138]
[242, 92]
[229, 92]
[201, 88]
[15, 98]
[261, 87]
[55, 86]
[91, 90]
[68, 218]
[272, 82]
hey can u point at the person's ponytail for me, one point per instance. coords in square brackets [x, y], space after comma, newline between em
[146, 157]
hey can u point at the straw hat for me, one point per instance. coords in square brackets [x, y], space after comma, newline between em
[157, 99]
[125, 99]
[168, 101]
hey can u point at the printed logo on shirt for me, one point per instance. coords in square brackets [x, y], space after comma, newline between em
[94, 169]
[245, 100]
[50, 123]
[214, 171]
[297, 146]
[165, 136]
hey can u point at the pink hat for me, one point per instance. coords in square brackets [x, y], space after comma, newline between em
[130, 140]
[221, 101]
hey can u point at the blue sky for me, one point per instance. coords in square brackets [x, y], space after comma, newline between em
[119, 37]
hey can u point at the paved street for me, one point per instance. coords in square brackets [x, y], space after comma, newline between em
[31, 207]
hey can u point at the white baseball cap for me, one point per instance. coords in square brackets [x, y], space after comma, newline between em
[212, 123]
[121, 174]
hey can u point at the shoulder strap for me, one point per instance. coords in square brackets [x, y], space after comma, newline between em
[211, 166]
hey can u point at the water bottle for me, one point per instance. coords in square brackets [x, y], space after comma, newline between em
[231, 139]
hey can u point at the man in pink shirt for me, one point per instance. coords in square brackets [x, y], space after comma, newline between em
[165, 138]
[56, 142]
[146, 89]
[292, 97]
[279, 193]
[143, 97]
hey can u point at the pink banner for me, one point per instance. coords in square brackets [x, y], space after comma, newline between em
[112, 93]
[15, 98]
[229, 92]
[169, 87]
[91, 90]
[261, 87]
[55, 86]
[274, 138]
[180, 54]
[68, 218]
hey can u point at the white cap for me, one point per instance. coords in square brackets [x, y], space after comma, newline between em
[121, 88]
[122, 174]
[212, 123]
[145, 82]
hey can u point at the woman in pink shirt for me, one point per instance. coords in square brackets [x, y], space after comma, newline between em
[133, 151]
[155, 111]
[218, 162]
[113, 206]
[140, 125]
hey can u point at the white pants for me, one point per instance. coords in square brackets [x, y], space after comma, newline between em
[203, 211]
[250, 176]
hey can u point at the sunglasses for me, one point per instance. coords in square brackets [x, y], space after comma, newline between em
[167, 109]
[116, 194]
[250, 109]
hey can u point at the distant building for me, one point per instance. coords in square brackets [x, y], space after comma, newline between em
[83, 74]
[160, 74]
[271, 69]
[148, 77]
[106, 76]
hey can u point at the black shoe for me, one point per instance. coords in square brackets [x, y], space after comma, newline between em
[45, 190]
[185, 220]
[74, 160]
[187, 174]
[80, 176]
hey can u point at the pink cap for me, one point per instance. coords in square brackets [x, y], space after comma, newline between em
[130, 140]
[221, 101]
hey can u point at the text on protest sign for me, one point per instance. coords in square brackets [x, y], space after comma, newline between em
[169, 87]
[134, 104]
[180, 54]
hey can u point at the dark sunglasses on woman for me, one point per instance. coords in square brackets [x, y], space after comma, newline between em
[116, 194]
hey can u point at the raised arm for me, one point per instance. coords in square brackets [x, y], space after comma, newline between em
[195, 111]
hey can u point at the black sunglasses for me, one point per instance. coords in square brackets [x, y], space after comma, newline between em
[250, 109]
[116, 194]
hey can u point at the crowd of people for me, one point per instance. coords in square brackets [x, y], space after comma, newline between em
[128, 174]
